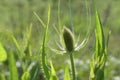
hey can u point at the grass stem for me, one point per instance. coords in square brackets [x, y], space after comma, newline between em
[72, 65]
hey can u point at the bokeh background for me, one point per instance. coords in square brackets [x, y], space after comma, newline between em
[17, 15]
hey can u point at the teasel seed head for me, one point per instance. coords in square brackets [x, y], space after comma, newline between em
[68, 39]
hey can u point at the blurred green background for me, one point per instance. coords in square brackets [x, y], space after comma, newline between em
[17, 15]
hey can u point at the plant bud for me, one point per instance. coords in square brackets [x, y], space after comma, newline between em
[68, 39]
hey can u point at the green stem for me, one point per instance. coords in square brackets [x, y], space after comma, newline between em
[72, 66]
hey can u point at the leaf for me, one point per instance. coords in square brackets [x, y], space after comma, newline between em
[26, 76]
[2, 76]
[99, 32]
[92, 75]
[44, 62]
[53, 73]
[40, 20]
[100, 42]
[29, 30]
[27, 51]
[12, 67]
[3, 54]
[34, 72]
[26, 36]
[67, 73]
[99, 59]
[20, 55]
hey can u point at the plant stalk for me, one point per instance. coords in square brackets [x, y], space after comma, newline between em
[72, 65]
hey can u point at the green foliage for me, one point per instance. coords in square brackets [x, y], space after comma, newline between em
[34, 72]
[34, 58]
[3, 54]
[18, 47]
[12, 67]
[2, 76]
[67, 73]
[99, 59]
[53, 75]
[26, 76]
[72, 66]
[44, 62]
[26, 42]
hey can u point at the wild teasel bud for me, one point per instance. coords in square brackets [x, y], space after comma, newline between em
[68, 39]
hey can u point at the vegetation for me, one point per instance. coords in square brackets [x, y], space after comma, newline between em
[55, 40]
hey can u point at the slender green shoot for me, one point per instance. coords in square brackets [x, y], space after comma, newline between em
[70, 14]
[44, 62]
[12, 67]
[45, 67]
[59, 21]
[53, 75]
[72, 65]
[40, 20]
[20, 55]
[67, 73]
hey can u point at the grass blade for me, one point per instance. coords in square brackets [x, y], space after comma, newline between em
[67, 73]
[12, 67]
[99, 32]
[53, 73]
[44, 62]
[20, 55]
[35, 71]
[25, 76]
[40, 20]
